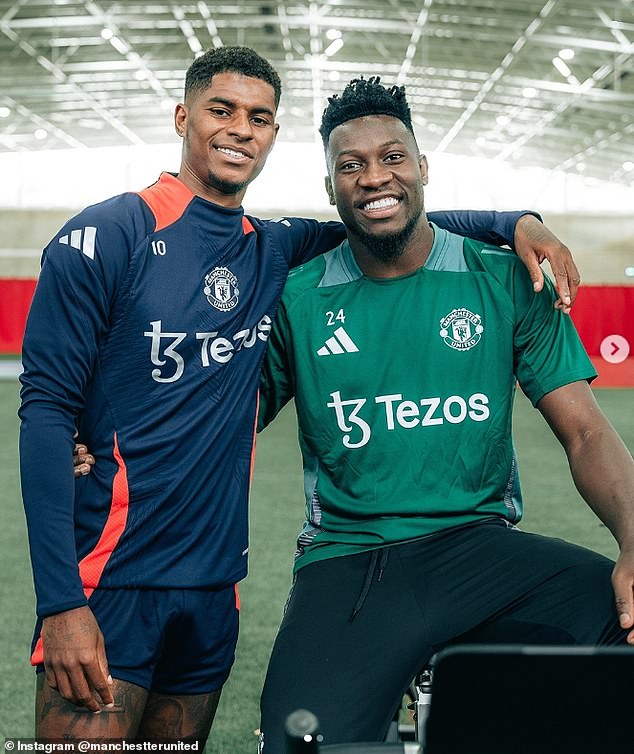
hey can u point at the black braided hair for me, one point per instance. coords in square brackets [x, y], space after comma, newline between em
[364, 97]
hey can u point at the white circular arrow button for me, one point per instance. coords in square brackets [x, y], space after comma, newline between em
[615, 349]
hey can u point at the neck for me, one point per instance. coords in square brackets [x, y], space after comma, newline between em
[229, 199]
[411, 257]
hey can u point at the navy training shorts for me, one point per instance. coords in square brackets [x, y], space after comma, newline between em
[170, 641]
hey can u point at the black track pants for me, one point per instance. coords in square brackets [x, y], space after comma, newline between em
[358, 628]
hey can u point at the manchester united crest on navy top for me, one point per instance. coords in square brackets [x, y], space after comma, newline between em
[221, 289]
[461, 329]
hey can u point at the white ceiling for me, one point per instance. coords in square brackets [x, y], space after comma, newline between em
[479, 73]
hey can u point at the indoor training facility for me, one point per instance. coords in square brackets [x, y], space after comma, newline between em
[517, 105]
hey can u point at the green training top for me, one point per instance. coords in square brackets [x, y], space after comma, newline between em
[404, 390]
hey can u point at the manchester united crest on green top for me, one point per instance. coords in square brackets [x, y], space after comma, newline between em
[461, 329]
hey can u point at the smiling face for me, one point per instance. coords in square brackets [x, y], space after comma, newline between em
[376, 179]
[229, 130]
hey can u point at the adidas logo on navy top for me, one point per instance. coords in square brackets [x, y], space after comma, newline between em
[82, 239]
[340, 342]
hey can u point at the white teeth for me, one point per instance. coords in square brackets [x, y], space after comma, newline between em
[389, 201]
[231, 152]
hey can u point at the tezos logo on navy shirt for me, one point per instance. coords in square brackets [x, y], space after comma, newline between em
[221, 289]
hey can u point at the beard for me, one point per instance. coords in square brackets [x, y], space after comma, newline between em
[228, 188]
[387, 248]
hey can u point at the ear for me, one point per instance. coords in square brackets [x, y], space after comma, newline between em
[180, 119]
[329, 190]
[424, 168]
[276, 128]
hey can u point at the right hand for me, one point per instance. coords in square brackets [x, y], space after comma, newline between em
[83, 461]
[75, 658]
[533, 243]
[623, 585]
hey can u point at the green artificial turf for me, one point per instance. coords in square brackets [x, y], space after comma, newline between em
[552, 506]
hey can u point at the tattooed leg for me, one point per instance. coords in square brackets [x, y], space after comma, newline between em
[174, 718]
[57, 718]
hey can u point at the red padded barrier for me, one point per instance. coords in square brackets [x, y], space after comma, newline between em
[604, 318]
[15, 300]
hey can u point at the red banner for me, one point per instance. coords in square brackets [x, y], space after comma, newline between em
[604, 318]
[15, 300]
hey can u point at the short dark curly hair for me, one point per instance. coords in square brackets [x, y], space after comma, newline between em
[236, 59]
[364, 97]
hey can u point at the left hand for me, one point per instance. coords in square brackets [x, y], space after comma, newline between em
[623, 585]
[534, 243]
